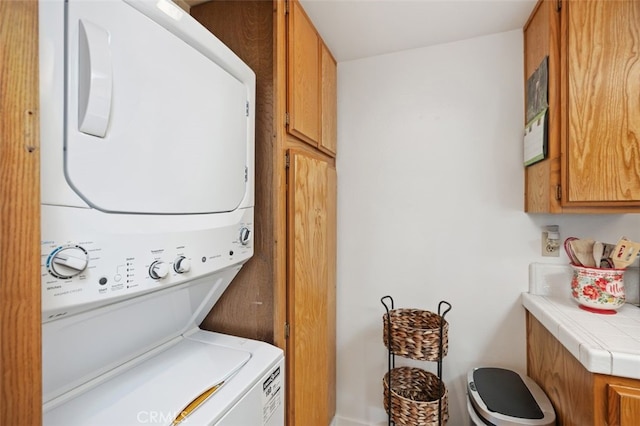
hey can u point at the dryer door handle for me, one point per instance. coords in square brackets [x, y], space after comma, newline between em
[95, 79]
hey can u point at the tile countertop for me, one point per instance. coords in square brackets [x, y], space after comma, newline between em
[605, 344]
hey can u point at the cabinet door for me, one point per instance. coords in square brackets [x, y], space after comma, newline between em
[328, 140]
[303, 91]
[623, 405]
[311, 289]
[601, 87]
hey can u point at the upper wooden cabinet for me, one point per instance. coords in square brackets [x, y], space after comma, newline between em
[593, 158]
[311, 85]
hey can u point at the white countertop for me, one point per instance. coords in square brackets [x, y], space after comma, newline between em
[606, 344]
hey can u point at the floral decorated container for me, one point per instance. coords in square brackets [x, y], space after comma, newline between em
[597, 289]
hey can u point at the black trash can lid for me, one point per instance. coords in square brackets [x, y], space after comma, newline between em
[504, 397]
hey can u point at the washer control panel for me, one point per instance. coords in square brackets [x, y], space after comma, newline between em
[94, 269]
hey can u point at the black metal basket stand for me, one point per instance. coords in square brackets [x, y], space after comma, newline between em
[391, 364]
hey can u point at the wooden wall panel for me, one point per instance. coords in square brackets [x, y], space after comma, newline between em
[20, 336]
[247, 307]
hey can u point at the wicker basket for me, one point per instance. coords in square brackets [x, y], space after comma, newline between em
[415, 394]
[415, 334]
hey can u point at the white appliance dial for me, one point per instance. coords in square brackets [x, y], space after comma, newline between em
[245, 236]
[158, 270]
[67, 261]
[182, 265]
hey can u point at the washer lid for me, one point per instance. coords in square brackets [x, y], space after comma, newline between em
[153, 124]
[160, 388]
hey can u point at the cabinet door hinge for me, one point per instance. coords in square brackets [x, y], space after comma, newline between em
[558, 192]
[287, 161]
[286, 330]
[558, 5]
[286, 7]
[286, 118]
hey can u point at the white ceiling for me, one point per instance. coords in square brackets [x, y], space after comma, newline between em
[354, 29]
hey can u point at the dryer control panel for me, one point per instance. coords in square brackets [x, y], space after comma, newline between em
[95, 266]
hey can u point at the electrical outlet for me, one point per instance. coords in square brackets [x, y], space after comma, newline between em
[551, 242]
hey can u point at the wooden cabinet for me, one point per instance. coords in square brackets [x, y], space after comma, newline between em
[593, 159]
[311, 289]
[285, 294]
[579, 397]
[311, 92]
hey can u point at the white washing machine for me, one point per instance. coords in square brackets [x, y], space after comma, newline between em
[147, 138]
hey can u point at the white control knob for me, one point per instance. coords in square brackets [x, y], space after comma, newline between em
[245, 236]
[158, 270]
[182, 265]
[67, 262]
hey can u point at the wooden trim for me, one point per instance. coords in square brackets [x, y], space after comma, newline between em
[20, 314]
[332, 235]
[533, 13]
[280, 176]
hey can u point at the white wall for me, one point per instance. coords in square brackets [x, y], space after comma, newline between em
[430, 196]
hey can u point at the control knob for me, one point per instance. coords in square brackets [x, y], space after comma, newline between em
[67, 262]
[245, 236]
[158, 270]
[181, 265]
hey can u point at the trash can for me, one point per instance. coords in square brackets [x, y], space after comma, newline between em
[501, 397]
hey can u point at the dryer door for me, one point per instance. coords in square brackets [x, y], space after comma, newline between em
[152, 124]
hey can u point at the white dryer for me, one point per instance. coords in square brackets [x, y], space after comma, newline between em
[147, 191]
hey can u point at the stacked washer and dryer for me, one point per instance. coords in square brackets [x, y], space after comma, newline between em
[147, 215]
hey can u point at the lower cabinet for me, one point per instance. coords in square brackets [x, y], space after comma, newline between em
[580, 398]
[311, 312]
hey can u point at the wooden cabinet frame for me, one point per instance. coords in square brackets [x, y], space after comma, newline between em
[594, 120]
[20, 314]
